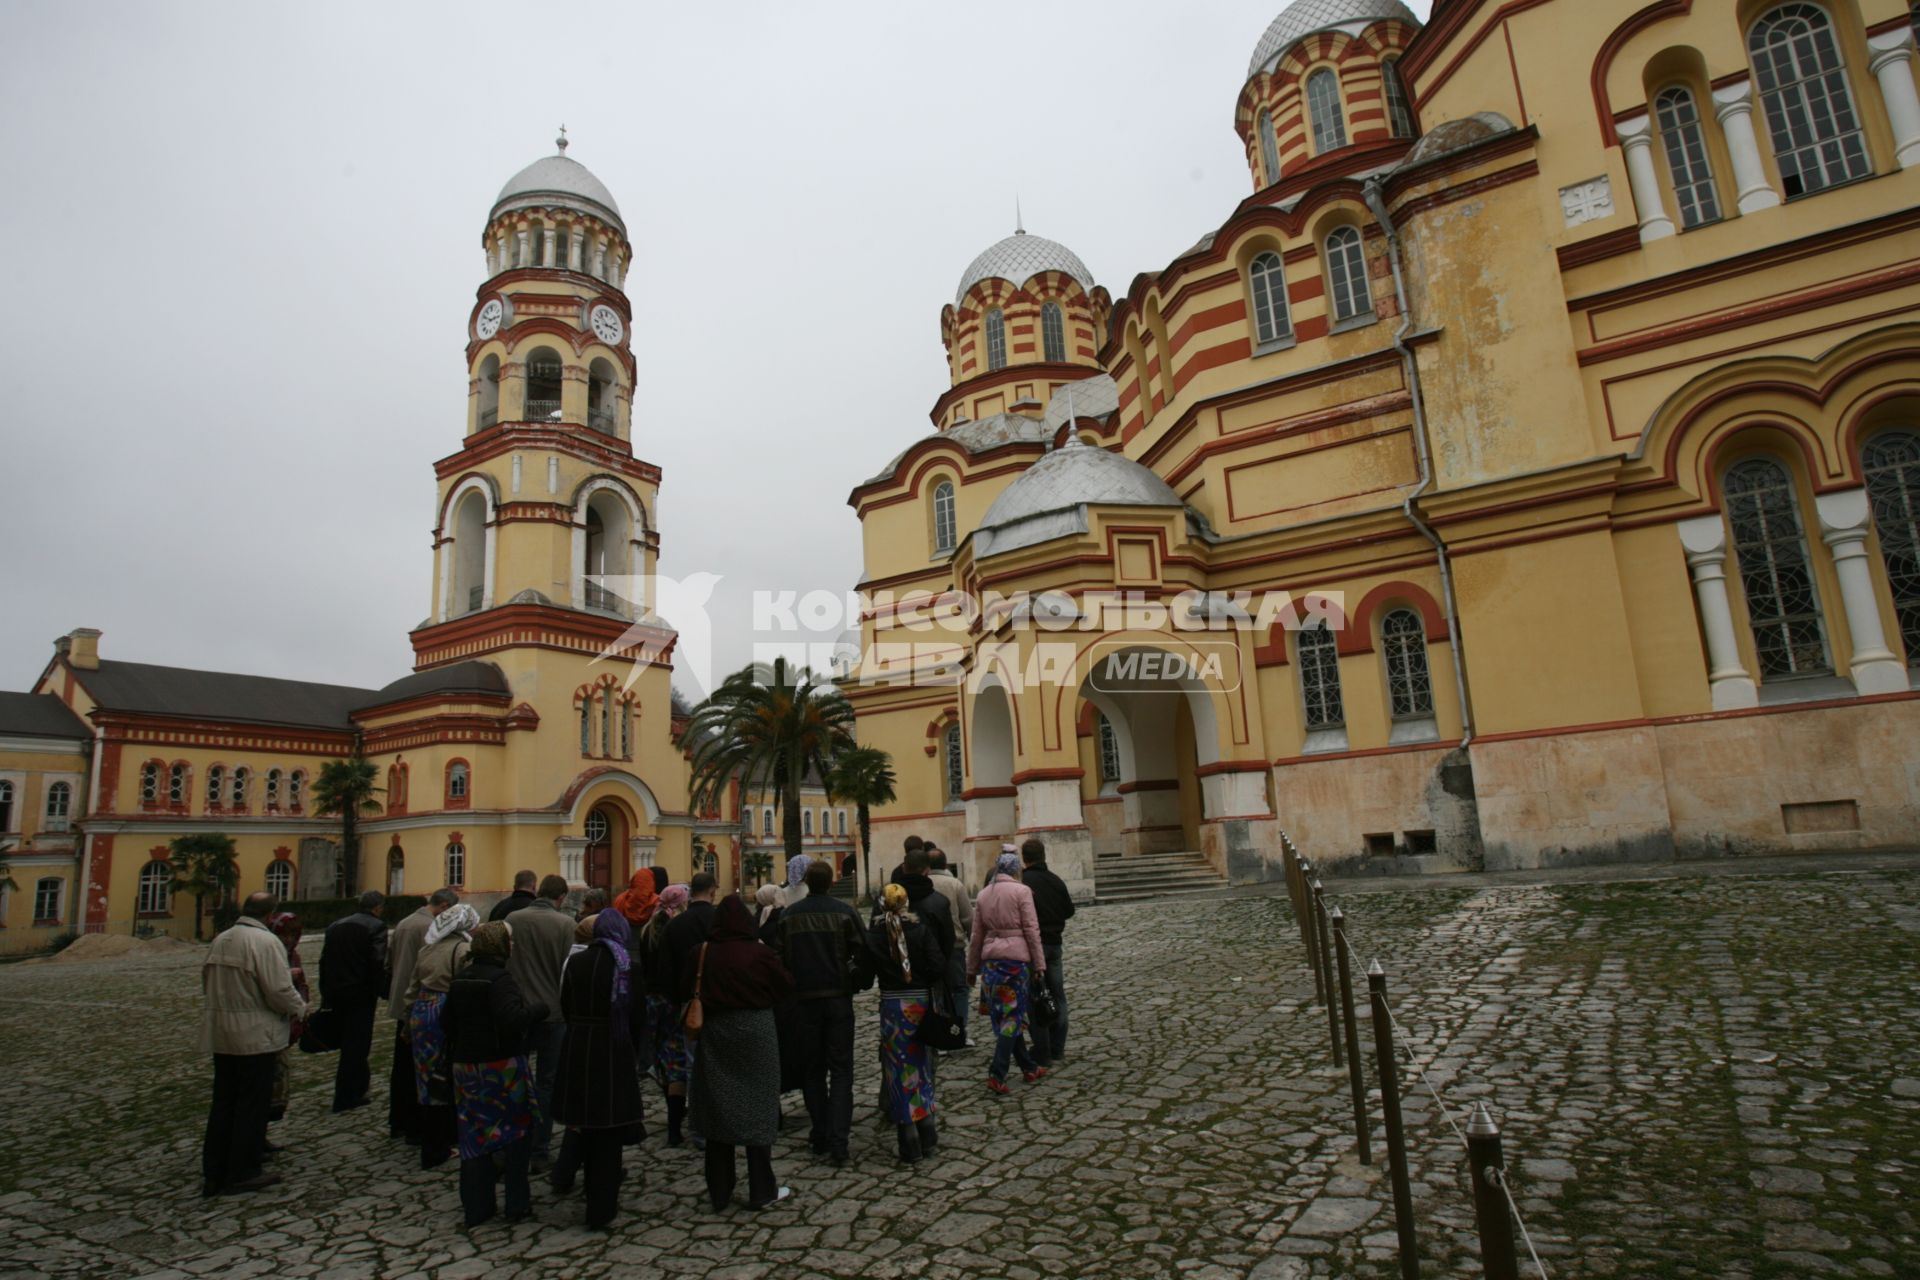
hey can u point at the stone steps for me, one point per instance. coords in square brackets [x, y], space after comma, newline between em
[1154, 875]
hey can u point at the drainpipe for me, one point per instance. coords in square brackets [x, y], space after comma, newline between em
[1376, 202]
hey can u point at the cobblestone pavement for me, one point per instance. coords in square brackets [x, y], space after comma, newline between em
[1714, 1077]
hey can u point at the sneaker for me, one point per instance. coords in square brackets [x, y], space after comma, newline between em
[1035, 1076]
[996, 1085]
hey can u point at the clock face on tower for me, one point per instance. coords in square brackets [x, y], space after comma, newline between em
[606, 324]
[487, 323]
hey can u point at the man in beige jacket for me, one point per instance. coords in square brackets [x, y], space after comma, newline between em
[249, 998]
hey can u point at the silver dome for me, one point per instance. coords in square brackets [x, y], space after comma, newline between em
[1018, 259]
[1304, 17]
[1050, 499]
[558, 180]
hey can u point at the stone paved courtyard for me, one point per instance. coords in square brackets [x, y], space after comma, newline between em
[1709, 1075]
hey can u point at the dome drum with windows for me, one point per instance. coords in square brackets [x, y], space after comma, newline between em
[1024, 301]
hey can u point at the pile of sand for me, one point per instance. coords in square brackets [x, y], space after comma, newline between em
[113, 946]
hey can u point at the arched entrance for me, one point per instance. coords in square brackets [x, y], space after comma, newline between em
[396, 871]
[992, 800]
[1164, 727]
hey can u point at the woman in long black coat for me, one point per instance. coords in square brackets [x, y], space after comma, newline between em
[596, 1088]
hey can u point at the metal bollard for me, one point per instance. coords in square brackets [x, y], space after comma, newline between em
[1354, 1076]
[1326, 973]
[1310, 927]
[1390, 1113]
[1489, 1199]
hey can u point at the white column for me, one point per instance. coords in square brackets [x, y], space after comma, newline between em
[573, 860]
[599, 266]
[520, 242]
[1845, 518]
[1704, 538]
[1733, 108]
[547, 237]
[1636, 140]
[1891, 58]
[643, 850]
[574, 245]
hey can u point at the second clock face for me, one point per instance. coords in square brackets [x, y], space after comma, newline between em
[487, 323]
[607, 325]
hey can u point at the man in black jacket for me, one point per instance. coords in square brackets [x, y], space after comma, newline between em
[1054, 906]
[820, 941]
[353, 977]
[684, 936]
[521, 897]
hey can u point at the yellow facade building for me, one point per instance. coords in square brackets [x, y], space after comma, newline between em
[1561, 368]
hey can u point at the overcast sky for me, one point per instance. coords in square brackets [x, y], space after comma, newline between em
[243, 241]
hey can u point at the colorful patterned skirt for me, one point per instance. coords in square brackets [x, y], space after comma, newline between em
[905, 1061]
[495, 1104]
[672, 1052]
[431, 1079]
[1003, 994]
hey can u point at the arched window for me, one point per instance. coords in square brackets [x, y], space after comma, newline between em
[273, 790]
[826, 824]
[1323, 102]
[626, 729]
[840, 821]
[544, 374]
[456, 865]
[59, 806]
[280, 878]
[956, 768]
[710, 863]
[1109, 749]
[396, 871]
[766, 822]
[1403, 640]
[48, 892]
[177, 785]
[996, 339]
[1686, 148]
[468, 560]
[608, 552]
[1803, 84]
[945, 529]
[296, 789]
[586, 725]
[606, 721]
[457, 782]
[1891, 463]
[602, 395]
[489, 408]
[216, 786]
[1347, 275]
[6, 804]
[1320, 678]
[1267, 280]
[149, 786]
[806, 823]
[237, 791]
[1399, 110]
[156, 889]
[1783, 604]
[1269, 148]
[1053, 332]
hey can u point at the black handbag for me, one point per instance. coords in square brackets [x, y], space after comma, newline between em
[323, 1032]
[1041, 1011]
[939, 1029]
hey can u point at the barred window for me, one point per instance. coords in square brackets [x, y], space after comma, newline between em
[1320, 678]
[1686, 147]
[1816, 134]
[1399, 110]
[1891, 462]
[456, 865]
[156, 887]
[280, 878]
[1053, 331]
[996, 339]
[1347, 275]
[1323, 102]
[1409, 685]
[945, 529]
[1783, 604]
[1267, 278]
[956, 769]
[1109, 751]
[1269, 148]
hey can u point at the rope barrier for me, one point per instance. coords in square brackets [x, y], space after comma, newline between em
[1500, 1180]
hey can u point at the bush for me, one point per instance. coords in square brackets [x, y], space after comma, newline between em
[60, 942]
[317, 913]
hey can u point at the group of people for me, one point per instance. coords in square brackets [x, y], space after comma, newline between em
[535, 1019]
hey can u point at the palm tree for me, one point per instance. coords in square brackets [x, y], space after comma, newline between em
[768, 727]
[345, 789]
[864, 775]
[758, 864]
[204, 866]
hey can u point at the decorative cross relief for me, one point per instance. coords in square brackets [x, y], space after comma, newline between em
[1587, 201]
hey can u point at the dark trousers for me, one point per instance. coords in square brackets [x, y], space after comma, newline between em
[237, 1120]
[1052, 1042]
[825, 1028]
[350, 1075]
[722, 1174]
[478, 1175]
[545, 1042]
[600, 1156]
[403, 1100]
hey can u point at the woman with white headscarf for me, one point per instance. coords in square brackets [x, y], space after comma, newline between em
[449, 937]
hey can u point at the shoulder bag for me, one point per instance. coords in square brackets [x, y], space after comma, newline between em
[694, 1016]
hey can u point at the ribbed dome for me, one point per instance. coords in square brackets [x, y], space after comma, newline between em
[1304, 17]
[1018, 259]
[555, 179]
[1050, 498]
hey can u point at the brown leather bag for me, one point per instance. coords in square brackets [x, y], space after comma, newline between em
[693, 1017]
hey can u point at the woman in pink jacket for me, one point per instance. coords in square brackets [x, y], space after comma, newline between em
[1005, 954]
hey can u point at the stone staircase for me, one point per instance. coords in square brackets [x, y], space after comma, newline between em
[1153, 875]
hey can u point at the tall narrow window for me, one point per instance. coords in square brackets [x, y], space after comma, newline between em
[1783, 604]
[149, 787]
[996, 339]
[280, 878]
[457, 779]
[806, 823]
[1053, 332]
[586, 725]
[296, 789]
[1686, 148]
[1403, 641]
[6, 804]
[59, 806]
[396, 871]
[1269, 149]
[47, 894]
[840, 820]
[1891, 462]
[956, 769]
[216, 784]
[945, 530]
[1803, 84]
[1320, 678]
[177, 785]
[626, 730]
[606, 721]
[1109, 751]
[237, 791]
[1399, 110]
[456, 865]
[1323, 102]
[1267, 280]
[1347, 275]
[156, 885]
[273, 790]
[766, 822]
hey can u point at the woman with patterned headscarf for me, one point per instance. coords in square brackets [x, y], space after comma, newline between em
[1006, 957]
[442, 953]
[795, 889]
[672, 1061]
[596, 1089]
[907, 959]
[486, 1020]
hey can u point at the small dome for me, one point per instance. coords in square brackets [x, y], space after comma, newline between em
[1018, 259]
[1050, 499]
[1304, 17]
[555, 179]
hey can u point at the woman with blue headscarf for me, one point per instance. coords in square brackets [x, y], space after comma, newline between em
[596, 1090]
[795, 889]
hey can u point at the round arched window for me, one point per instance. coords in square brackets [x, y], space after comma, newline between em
[598, 828]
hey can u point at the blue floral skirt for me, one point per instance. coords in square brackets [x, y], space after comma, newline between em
[1003, 995]
[906, 1062]
[495, 1104]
